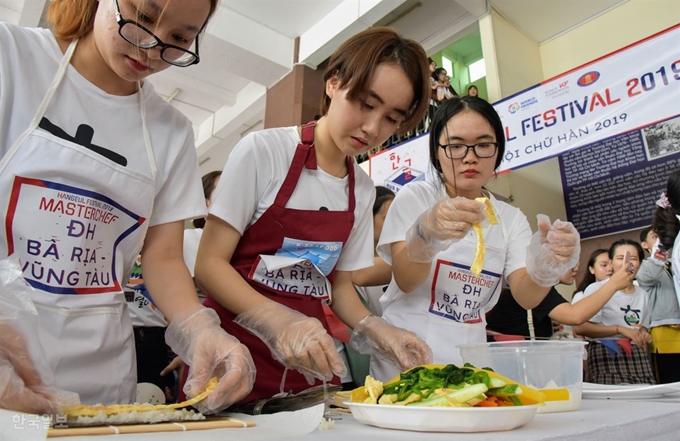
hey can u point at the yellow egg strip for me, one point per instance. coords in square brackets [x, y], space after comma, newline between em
[82, 410]
[480, 253]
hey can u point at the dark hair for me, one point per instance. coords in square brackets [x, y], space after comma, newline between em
[382, 195]
[589, 277]
[644, 232]
[618, 243]
[430, 61]
[356, 60]
[665, 222]
[452, 107]
[74, 19]
[208, 181]
[436, 73]
[471, 86]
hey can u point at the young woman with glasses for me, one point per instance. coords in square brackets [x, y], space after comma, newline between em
[96, 164]
[429, 240]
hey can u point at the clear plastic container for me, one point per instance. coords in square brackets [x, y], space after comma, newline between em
[541, 364]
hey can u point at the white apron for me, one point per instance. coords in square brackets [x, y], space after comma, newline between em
[77, 221]
[449, 307]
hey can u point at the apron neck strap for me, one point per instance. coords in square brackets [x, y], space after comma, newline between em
[305, 156]
[307, 139]
[63, 65]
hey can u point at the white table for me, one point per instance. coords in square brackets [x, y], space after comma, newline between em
[610, 420]
[597, 420]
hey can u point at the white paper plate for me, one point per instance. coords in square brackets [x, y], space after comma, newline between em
[443, 419]
[630, 391]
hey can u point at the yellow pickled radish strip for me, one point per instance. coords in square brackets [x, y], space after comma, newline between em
[561, 394]
[480, 253]
[83, 410]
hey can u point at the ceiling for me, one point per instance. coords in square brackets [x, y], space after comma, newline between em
[249, 45]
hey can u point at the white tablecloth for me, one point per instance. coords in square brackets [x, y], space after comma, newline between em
[615, 420]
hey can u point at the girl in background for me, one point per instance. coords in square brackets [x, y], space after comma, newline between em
[623, 320]
[444, 88]
[599, 268]
[292, 219]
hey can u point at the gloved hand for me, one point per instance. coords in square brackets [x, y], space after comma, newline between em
[659, 254]
[297, 341]
[441, 225]
[21, 388]
[553, 250]
[373, 334]
[196, 336]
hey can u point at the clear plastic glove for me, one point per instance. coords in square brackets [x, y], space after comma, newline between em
[659, 255]
[21, 388]
[373, 334]
[553, 250]
[196, 336]
[441, 225]
[297, 341]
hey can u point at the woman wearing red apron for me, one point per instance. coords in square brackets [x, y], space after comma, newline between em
[292, 219]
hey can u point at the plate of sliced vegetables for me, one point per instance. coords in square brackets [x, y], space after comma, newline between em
[446, 398]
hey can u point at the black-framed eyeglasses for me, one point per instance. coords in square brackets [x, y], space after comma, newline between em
[459, 151]
[137, 35]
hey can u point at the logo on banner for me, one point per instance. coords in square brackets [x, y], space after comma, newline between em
[588, 78]
[513, 108]
[460, 296]
[63, 250]
[528, 102]
[561, 89]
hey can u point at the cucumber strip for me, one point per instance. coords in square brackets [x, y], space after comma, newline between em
[496, 382]
[505, 391]
[455, 398]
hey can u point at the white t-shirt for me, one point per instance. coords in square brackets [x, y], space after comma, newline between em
[513, 235]
[192, 238]
[622, 309]
[254, 173]
[576, 297]
[29, 60]
[415, 198]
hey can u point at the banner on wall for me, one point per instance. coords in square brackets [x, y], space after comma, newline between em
[614, 122]
[398, 166]
[612, 185]
[634, 87]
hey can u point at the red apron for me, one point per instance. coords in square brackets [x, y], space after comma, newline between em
[265, 237]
